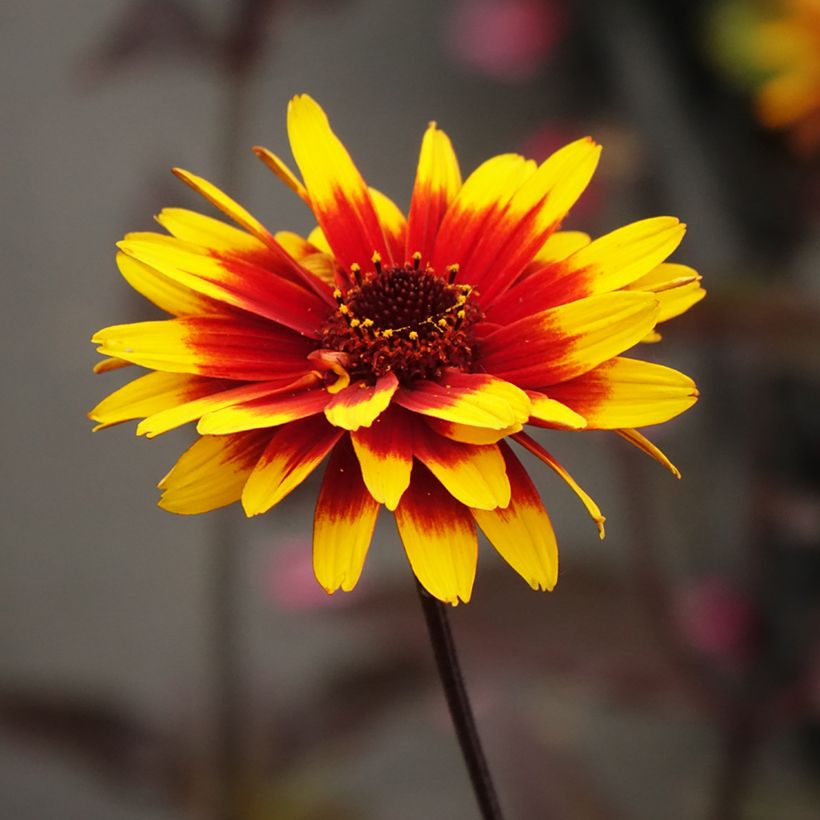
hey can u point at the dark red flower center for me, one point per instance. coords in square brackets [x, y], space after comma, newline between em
[403, 320]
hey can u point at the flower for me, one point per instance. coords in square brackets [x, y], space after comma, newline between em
[406, 349]
[788, 46]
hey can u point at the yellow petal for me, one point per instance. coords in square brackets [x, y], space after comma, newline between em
[219, 199]
[211, 473]
[146, 395]
[539, 452]
[677, 288]
[547, 412]
[645, 445]
[281, 170]
[559, 246]
[620, 257]
[470, 435]
[190, 226]
[173, 297]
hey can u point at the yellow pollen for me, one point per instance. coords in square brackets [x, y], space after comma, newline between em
[442, 323]
[367, 323]
[354, 322]
[355, 268]
[387, 332]
[412, 335]
[344, 310]
[337, 294]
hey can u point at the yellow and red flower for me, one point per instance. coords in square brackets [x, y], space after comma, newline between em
[407, 350]
[787, 46]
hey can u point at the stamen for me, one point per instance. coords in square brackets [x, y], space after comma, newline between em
[416, 260]
[377, 261]
[357, 273]
[452, 270]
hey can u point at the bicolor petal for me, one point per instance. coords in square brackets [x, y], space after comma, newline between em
[360, 404]
[567, 341]
[296, 401]
[609, 263]
[473, 399]
[626, 392]
[221, 348]
[474, 474]
[339, 196]
[293, 453]
[439, 538]
[385, 453]
[150, 394]
[343, 521]
[438, 180]
[522, 531]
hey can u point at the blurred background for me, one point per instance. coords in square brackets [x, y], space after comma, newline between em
[163, 668]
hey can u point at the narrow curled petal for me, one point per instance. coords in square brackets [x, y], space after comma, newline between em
[626, 392]
[609, 263]
[281, 170]
[152, 393]
[109, 364]
[438, 180]
[474, 399]
[360, 404]
[219, 347]
[539, 452]
[467, 434]
[339, 196]
[219, 199]
[473, 474]
[296, 401]
[522, 532]
[510, 242]
[547, 412]
[478, 204]
[385, 453]
[645, 445]
[439, 538]
[567, 341]
[293, 453]
[212, 472]
[343, 522]
[677, 288]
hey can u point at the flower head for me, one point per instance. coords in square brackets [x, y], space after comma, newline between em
[407, 350]
[788, 47]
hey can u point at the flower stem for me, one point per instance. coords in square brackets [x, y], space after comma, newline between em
[444, 649]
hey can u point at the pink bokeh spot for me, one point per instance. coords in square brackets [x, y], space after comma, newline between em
[718, 620]
[507, 39]
[290, 583]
